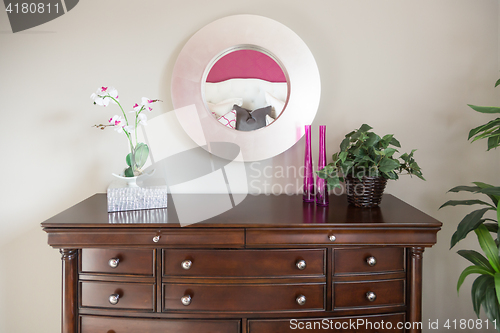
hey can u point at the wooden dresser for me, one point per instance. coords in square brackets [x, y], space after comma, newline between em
[272, 264]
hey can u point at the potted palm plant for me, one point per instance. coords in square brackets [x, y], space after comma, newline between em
[485, 291]
[365, 162]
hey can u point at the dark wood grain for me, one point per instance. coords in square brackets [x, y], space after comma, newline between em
[243, 263]
[354, 261]
[96, 324]
[69, 290]
[243, 278]
[271, 237]
[244, 297]
[137, 296]
[415, 287]
[104, 237]
[353, 294]
[255, 211]
[130, 262]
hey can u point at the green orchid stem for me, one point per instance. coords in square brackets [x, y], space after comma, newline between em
[136, 118]
[127, 133]
[124, 115]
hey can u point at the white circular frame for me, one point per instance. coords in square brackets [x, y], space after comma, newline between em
[234, 32]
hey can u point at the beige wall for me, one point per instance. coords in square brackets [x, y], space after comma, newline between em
[404, 67]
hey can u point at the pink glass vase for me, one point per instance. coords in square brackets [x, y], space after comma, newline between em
[308, 190]
[321, 184]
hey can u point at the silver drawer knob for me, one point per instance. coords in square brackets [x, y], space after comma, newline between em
[301, 300]
[186, 300]
[113, 262]
[114, 298]
[301, 264]
[156, 238]
[371, 296]
[371, 261]
[186, 264]
[332, 238]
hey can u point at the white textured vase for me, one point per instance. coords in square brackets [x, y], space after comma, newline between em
[132, 181]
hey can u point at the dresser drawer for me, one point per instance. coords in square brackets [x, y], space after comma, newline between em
[243, 263]
[136, 296]
[117, 261]
[123, 237]
[97, 324]
[355, 235]
[365, 324]
[368, 294]
[368, 260]
[243, 297]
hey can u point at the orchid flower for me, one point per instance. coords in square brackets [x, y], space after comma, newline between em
[105, 95]
[128, 129]
[116, 120]
[137, 108]
[146, 102]
[142, 119]
[118, 123]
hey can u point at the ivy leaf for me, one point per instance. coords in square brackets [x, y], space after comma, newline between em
[385, 141]
[345, 143]
[373, 139]
[388, 164]
[333, 182]
[395, 143]
[390, 151]
[391, 175]
[365, 128]
[323, 174]
[343, 156]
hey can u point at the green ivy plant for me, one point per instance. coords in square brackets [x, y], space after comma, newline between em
[485, 290]
[364, 153]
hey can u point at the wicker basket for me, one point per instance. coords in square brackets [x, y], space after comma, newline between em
[365, 193]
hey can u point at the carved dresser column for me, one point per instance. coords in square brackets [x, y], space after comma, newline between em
[415, 293]
[69, 292]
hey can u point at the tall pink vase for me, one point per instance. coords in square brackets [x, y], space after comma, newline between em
[308, 189]
[321, 184]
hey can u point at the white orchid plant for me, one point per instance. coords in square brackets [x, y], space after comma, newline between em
[139, 151]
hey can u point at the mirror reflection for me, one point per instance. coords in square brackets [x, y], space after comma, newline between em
[246, 89]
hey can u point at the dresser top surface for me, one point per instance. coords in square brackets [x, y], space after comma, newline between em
[255, 211]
